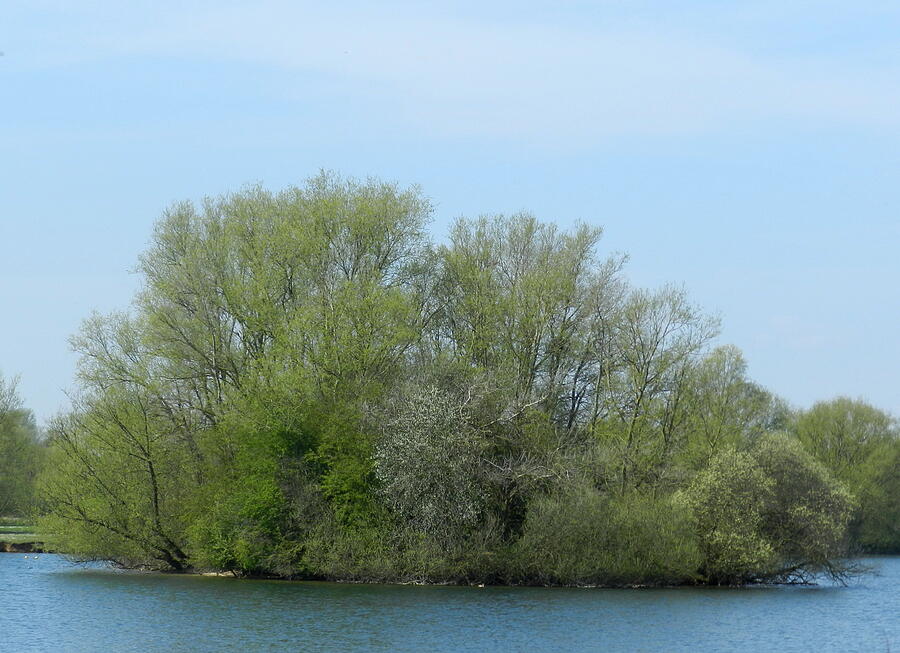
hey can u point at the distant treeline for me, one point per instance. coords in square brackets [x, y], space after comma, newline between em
[21, 452]
[308, 386]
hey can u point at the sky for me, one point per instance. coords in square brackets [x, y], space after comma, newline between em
[747, 151]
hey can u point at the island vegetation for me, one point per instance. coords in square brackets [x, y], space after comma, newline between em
[308, 386]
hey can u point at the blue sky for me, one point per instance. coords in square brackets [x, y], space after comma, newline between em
[750, 151]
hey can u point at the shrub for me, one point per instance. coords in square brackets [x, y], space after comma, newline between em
[772, 513]
[426, 463]
[583, 537]
[727, 500]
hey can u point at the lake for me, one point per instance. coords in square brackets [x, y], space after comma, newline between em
[51, 605]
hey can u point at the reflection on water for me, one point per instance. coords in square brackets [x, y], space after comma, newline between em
[51, 605]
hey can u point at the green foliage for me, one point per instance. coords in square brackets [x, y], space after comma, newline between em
[308, 387]
[21, 453]
[772, 513]
[859, 444]
[877, 527]
[728, 500]
[239, 528]
[843, 433]
[353, 553]
[641, 397]
[515, 292]
[807, 520]
[116, 483]
[265, 320]
[583, 537]
[345, 457]
[723, 408]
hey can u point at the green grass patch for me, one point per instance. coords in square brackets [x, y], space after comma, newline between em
[13, 521]
[16, 530]
[19, 538]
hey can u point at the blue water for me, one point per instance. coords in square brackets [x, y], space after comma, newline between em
[50, 605]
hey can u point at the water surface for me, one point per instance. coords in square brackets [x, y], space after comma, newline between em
[50, 605]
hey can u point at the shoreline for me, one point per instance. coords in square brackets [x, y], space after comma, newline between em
[21, 547]
[38, 548]
[233, 575]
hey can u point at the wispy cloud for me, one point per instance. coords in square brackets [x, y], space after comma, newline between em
[555, 82]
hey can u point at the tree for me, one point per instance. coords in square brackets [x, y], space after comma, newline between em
[859, 444]
[116, 486]
[20, 451]
[517, 296]
[581, 536]
[519, 300]
[641, 395]
[728, 500]
[877, 527]
[844, 432]
[770, 513]
[264, 318]
[723, 408]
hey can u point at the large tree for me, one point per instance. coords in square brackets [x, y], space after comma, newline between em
[265, 322]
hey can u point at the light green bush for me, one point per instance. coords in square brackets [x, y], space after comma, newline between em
[772, 513]
[582, 537]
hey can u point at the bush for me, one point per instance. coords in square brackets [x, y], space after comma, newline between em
[727, 500]
[582, 537]
[770, 514]
[807, 520]
[426, 463]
